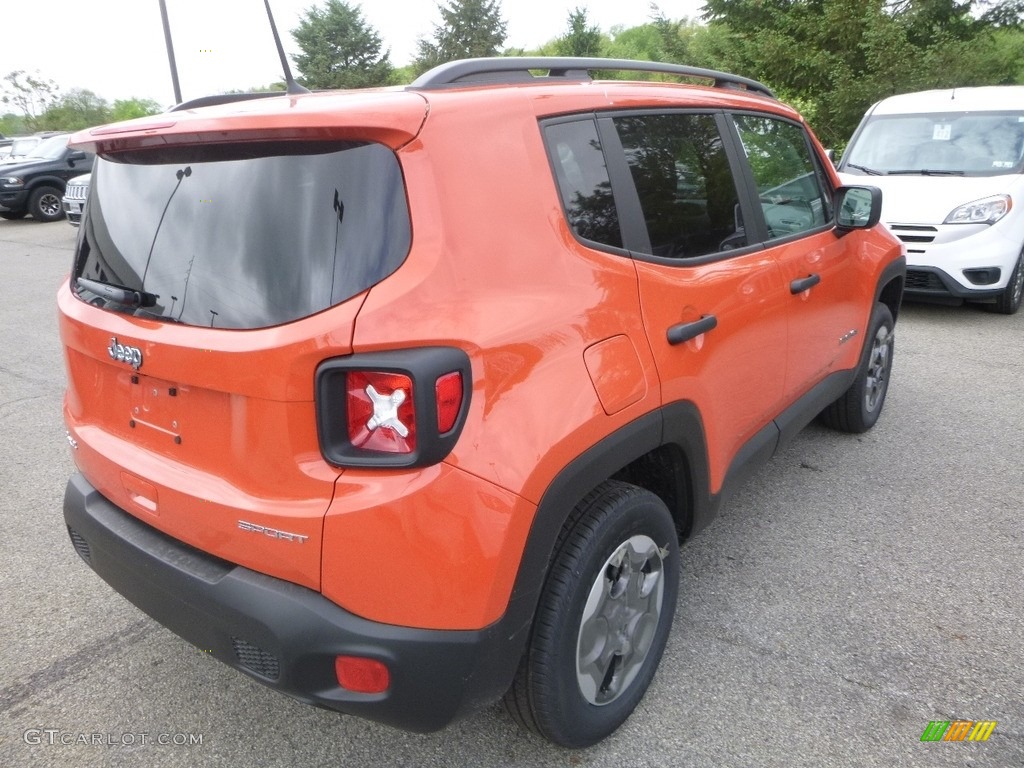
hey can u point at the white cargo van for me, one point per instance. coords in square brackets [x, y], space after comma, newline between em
[949, 164]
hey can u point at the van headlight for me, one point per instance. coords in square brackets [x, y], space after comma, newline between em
[988, 210]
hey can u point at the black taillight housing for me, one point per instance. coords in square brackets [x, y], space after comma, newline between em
[400, 408]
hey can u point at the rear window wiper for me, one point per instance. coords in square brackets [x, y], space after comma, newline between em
[869, 171]
[118, 293]
[923, 172]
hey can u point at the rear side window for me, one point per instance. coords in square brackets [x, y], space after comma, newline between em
[684, 182]
[582, 176]
[244, 236]
[789, 183]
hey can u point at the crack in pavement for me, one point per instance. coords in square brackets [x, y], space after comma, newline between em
[85, 659]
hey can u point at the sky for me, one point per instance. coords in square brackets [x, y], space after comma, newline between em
[115, 48]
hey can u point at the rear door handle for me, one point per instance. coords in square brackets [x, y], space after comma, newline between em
[801, 285]
[677, 334]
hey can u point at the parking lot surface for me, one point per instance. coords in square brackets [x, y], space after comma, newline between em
[857, 589]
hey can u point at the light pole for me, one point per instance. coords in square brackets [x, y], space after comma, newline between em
[170, 53]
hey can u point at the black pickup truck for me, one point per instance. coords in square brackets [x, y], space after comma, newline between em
[35, 184]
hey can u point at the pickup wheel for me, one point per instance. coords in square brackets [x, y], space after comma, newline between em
[1008, 302]
[859, 407]
[44, 204]
[603, 618]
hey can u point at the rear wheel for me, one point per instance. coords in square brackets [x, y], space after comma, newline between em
[13, 215]
[603, 618]
[44, 204]
[859, 407]
[1008, 301]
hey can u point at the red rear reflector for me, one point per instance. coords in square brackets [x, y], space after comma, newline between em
[362, 675]
[448, 391]
[381, 414]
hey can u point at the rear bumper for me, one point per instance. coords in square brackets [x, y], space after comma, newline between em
[287, 636]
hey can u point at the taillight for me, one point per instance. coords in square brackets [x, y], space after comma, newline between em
[381, 414]
[397, 408]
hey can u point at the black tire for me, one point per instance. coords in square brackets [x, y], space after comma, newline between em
[859, 407]
[1008, 302]
[617, 562]
[13, 215]
[44, 204]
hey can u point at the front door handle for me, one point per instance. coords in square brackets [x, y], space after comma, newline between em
[801, 285]
[681, 332]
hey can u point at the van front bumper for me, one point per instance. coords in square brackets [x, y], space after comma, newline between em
[284, 635]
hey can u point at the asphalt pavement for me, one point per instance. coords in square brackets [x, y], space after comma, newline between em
[858, 588]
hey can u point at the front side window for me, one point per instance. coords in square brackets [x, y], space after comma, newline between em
[790, 184]
[684, 182]
[242, 236]
[49, 149]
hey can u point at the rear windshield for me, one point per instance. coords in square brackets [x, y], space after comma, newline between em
[243, 236]
[963, 144]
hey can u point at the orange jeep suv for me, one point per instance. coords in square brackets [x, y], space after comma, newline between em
[401, 401]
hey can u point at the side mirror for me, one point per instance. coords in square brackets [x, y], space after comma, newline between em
[75, 155]
[857, 208]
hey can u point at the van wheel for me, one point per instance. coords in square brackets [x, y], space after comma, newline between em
[603, 618]
[44, 204]
[859, 407]
[1008, 302]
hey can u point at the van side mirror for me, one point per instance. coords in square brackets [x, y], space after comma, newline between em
[857, 208]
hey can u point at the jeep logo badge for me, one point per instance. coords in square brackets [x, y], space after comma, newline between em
[125, 354]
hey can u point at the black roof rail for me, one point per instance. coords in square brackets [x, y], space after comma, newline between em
[512, 69]
[223, 98]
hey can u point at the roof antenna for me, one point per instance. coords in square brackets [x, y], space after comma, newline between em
[170, 52]
[293, 87]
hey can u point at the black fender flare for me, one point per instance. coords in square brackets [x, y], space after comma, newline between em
[45, 181]
[678, 426]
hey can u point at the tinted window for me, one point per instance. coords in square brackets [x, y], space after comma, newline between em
[249, 241]
[686, 189]
[583, 183]
[789, 182]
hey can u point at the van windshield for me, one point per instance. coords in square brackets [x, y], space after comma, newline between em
[963, 144]
[241, 236]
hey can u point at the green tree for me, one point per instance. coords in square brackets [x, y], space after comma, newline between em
[1003, 13]
[78, 108]
[837, 57]
[581, 38]
[469, 29]
[674, 36]
[127, 109]
[340, 49]
[30, 94]
[13, 125]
